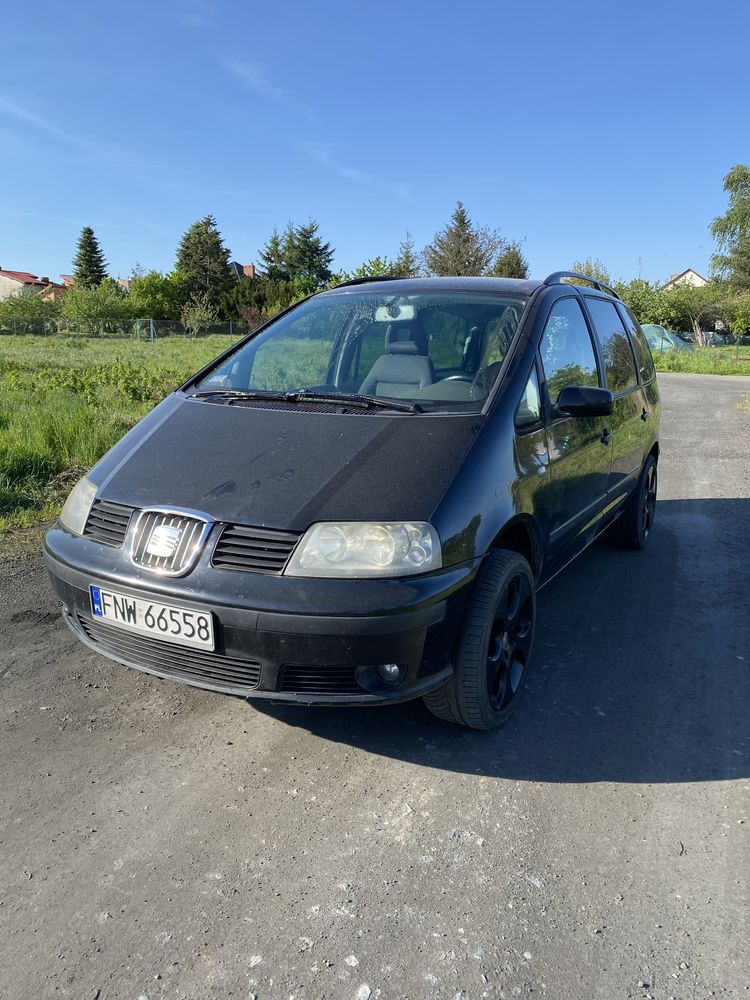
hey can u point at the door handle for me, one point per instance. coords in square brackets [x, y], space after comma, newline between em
[644, 415]
[606, 436]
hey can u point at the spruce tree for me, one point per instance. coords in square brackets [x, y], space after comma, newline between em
[510, 262]
[462, 248]
[407, 264]
[272, 257]
[204, 261]
[89, 265]
[306, 256]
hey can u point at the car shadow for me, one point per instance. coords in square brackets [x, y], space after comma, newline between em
[640, 672]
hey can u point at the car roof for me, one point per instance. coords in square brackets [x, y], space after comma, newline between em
[412, 286]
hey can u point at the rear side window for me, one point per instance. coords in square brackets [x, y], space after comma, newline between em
[619, 362]
[567, 352]
[642, 350]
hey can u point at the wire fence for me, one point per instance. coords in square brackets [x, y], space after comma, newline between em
[122, 329]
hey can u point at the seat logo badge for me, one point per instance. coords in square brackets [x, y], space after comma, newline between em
[163, 541]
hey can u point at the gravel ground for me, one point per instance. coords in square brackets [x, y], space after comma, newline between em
[160, 841]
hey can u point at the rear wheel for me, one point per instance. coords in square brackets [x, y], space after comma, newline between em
[632, 529]
[494, 647]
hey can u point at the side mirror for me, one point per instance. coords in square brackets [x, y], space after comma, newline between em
[585, 401]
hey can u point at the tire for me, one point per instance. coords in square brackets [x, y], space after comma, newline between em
[442, 703]
[633, 527]
[494, 647]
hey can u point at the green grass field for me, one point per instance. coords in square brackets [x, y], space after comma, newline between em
[705, 361]
[65, 400]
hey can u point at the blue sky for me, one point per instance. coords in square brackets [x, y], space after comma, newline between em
[588, 130]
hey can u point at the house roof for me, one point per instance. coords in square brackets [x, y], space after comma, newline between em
[25, 277]
[688, 270]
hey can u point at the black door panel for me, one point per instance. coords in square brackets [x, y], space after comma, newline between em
[579, 448]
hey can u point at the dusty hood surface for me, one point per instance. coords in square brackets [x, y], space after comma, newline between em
[286, 468]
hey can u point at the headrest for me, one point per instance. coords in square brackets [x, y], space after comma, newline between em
[394, 346]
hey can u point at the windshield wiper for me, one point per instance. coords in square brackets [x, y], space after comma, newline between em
[243, 394]
[307, 395]
[354, 399]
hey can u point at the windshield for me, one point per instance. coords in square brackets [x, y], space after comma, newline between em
[439, 350]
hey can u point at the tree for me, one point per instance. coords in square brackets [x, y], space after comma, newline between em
[299, 256]
[89, 265]
[593, 268]
[734, 311]
[732, 231]
[272, 257]
[158, 296]
[511, 262]
[204, 261]
[27, 311]
[99, 307]
[306, 256]
[684, 306]
[407, 264]
[462, 248]
[199, 312]
[643, 298]
[376, 267]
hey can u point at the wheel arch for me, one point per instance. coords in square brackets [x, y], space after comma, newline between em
[521, 535]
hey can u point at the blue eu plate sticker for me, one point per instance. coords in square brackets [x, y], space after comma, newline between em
[96, 601]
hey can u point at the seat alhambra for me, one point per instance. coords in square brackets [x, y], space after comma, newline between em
[358, 502]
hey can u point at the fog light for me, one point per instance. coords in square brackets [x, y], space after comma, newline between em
[390, 672]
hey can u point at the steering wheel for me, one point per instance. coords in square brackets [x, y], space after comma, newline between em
[457, 378]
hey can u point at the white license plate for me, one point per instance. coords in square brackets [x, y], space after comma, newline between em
[160, 621]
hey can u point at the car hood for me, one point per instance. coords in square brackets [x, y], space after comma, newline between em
[286, 468]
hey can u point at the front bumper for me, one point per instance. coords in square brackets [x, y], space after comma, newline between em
[308, 641]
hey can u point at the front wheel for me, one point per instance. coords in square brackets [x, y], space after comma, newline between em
[494, 647]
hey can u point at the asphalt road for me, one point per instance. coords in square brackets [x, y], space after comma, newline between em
[159, 841]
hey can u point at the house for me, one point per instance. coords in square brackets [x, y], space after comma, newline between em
[241, 270]
[12, 282]
[687, 277]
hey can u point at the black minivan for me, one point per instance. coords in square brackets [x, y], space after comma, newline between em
[357, 502]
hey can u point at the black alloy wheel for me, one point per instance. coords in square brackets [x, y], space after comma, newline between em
[494, 646]
[634, 526]
[648, 504]
[510, 642]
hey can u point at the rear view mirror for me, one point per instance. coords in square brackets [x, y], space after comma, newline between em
[397, 311]
[585, 401]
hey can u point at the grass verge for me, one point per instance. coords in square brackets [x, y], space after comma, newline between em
[705, 361]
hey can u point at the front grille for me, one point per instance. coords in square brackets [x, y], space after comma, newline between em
[227, 673]
[255, 550]
[108, 522]
[168, 543]
[318, 680]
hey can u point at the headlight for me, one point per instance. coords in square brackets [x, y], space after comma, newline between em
[357, 548]
[76, 510]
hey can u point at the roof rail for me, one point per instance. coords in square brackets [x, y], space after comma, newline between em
[364, 281]
[556, 278]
